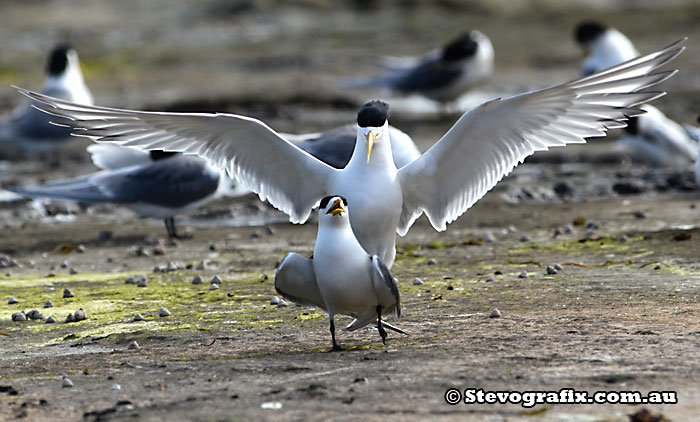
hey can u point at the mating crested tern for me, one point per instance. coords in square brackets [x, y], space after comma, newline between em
[156, 184]
[28, 128]
[335, 146]
[483, 146]
[442, 75]
[651, 136]
[340, 277]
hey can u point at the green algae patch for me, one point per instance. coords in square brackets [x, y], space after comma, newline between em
[110, 306]
[601, 245]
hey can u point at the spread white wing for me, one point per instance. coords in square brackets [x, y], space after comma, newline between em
[250, 151]
[488, 142]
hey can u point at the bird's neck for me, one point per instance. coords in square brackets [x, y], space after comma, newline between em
[381, 157]
[70, 80]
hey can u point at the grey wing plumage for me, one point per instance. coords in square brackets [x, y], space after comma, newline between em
[334, 147]
[386, 286]
[429, 75]
[295, 280]
[27, 124]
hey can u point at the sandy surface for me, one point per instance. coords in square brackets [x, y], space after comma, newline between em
[623, 313]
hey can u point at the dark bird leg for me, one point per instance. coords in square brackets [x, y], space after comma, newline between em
[170, 227]
[380, 327]
[335, 345]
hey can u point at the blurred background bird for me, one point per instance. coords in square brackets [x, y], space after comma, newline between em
[443, 74]
[650, 137]
[28, 129]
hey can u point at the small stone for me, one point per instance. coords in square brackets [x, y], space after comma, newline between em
[639, 214]
[116, 387]
[495, 314]
[70, 318]
[524, 238]
[214, 287]
[590, 232]
[431, 261]
[489, 237]
[558, 267]
[557, 233]
[134, 345]
[215, 280]
[283, 304]
[551, 270]
[254, 235]
[12, 300]
[109, 259]
[592, 225]
[51, 320]
[490, 279]
[80, 248]
[212, 247]
[417, 281]
[158, 269]
[138, 317]
[579, 221]
[34, 314]
[197, 279]
[275, 300]
[142, 282]
[104, 235]
[19, 316]
[67, 293]
[158, 250]
[201, 266]
[164, 312]
[171, 266]
[79, 315]
[568, 229]
[72, 271]
[271, 405]
[130, 280]
[523, 275]
[64, 264]
[269, 230]
[66, 383]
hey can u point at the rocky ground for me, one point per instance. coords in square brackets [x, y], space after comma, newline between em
[618, 310]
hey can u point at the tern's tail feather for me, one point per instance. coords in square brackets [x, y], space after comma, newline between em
[80, 190]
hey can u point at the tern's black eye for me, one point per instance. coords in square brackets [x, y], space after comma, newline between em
[325, 201]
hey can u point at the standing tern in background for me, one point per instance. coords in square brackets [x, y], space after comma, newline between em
[156, 184]
[28, 128]
[442, 75]
[340, 277]
[652, 136]
[476, 153]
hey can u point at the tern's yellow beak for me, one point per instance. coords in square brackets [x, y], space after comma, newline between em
[336, 208]
[371, 137]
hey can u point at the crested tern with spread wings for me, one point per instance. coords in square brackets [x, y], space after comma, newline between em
[482, 147]
[340, 277]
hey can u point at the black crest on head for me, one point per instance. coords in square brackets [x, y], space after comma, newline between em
[588, 31]
[58, 60]
[327, 199]
[462, 47]
[157, 154]
[373, 114]
[632, 125]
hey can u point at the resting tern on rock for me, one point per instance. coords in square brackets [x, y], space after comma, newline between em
[482, 147]
[340, 277]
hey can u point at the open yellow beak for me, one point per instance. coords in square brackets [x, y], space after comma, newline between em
[371, 137]
[337, 208]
